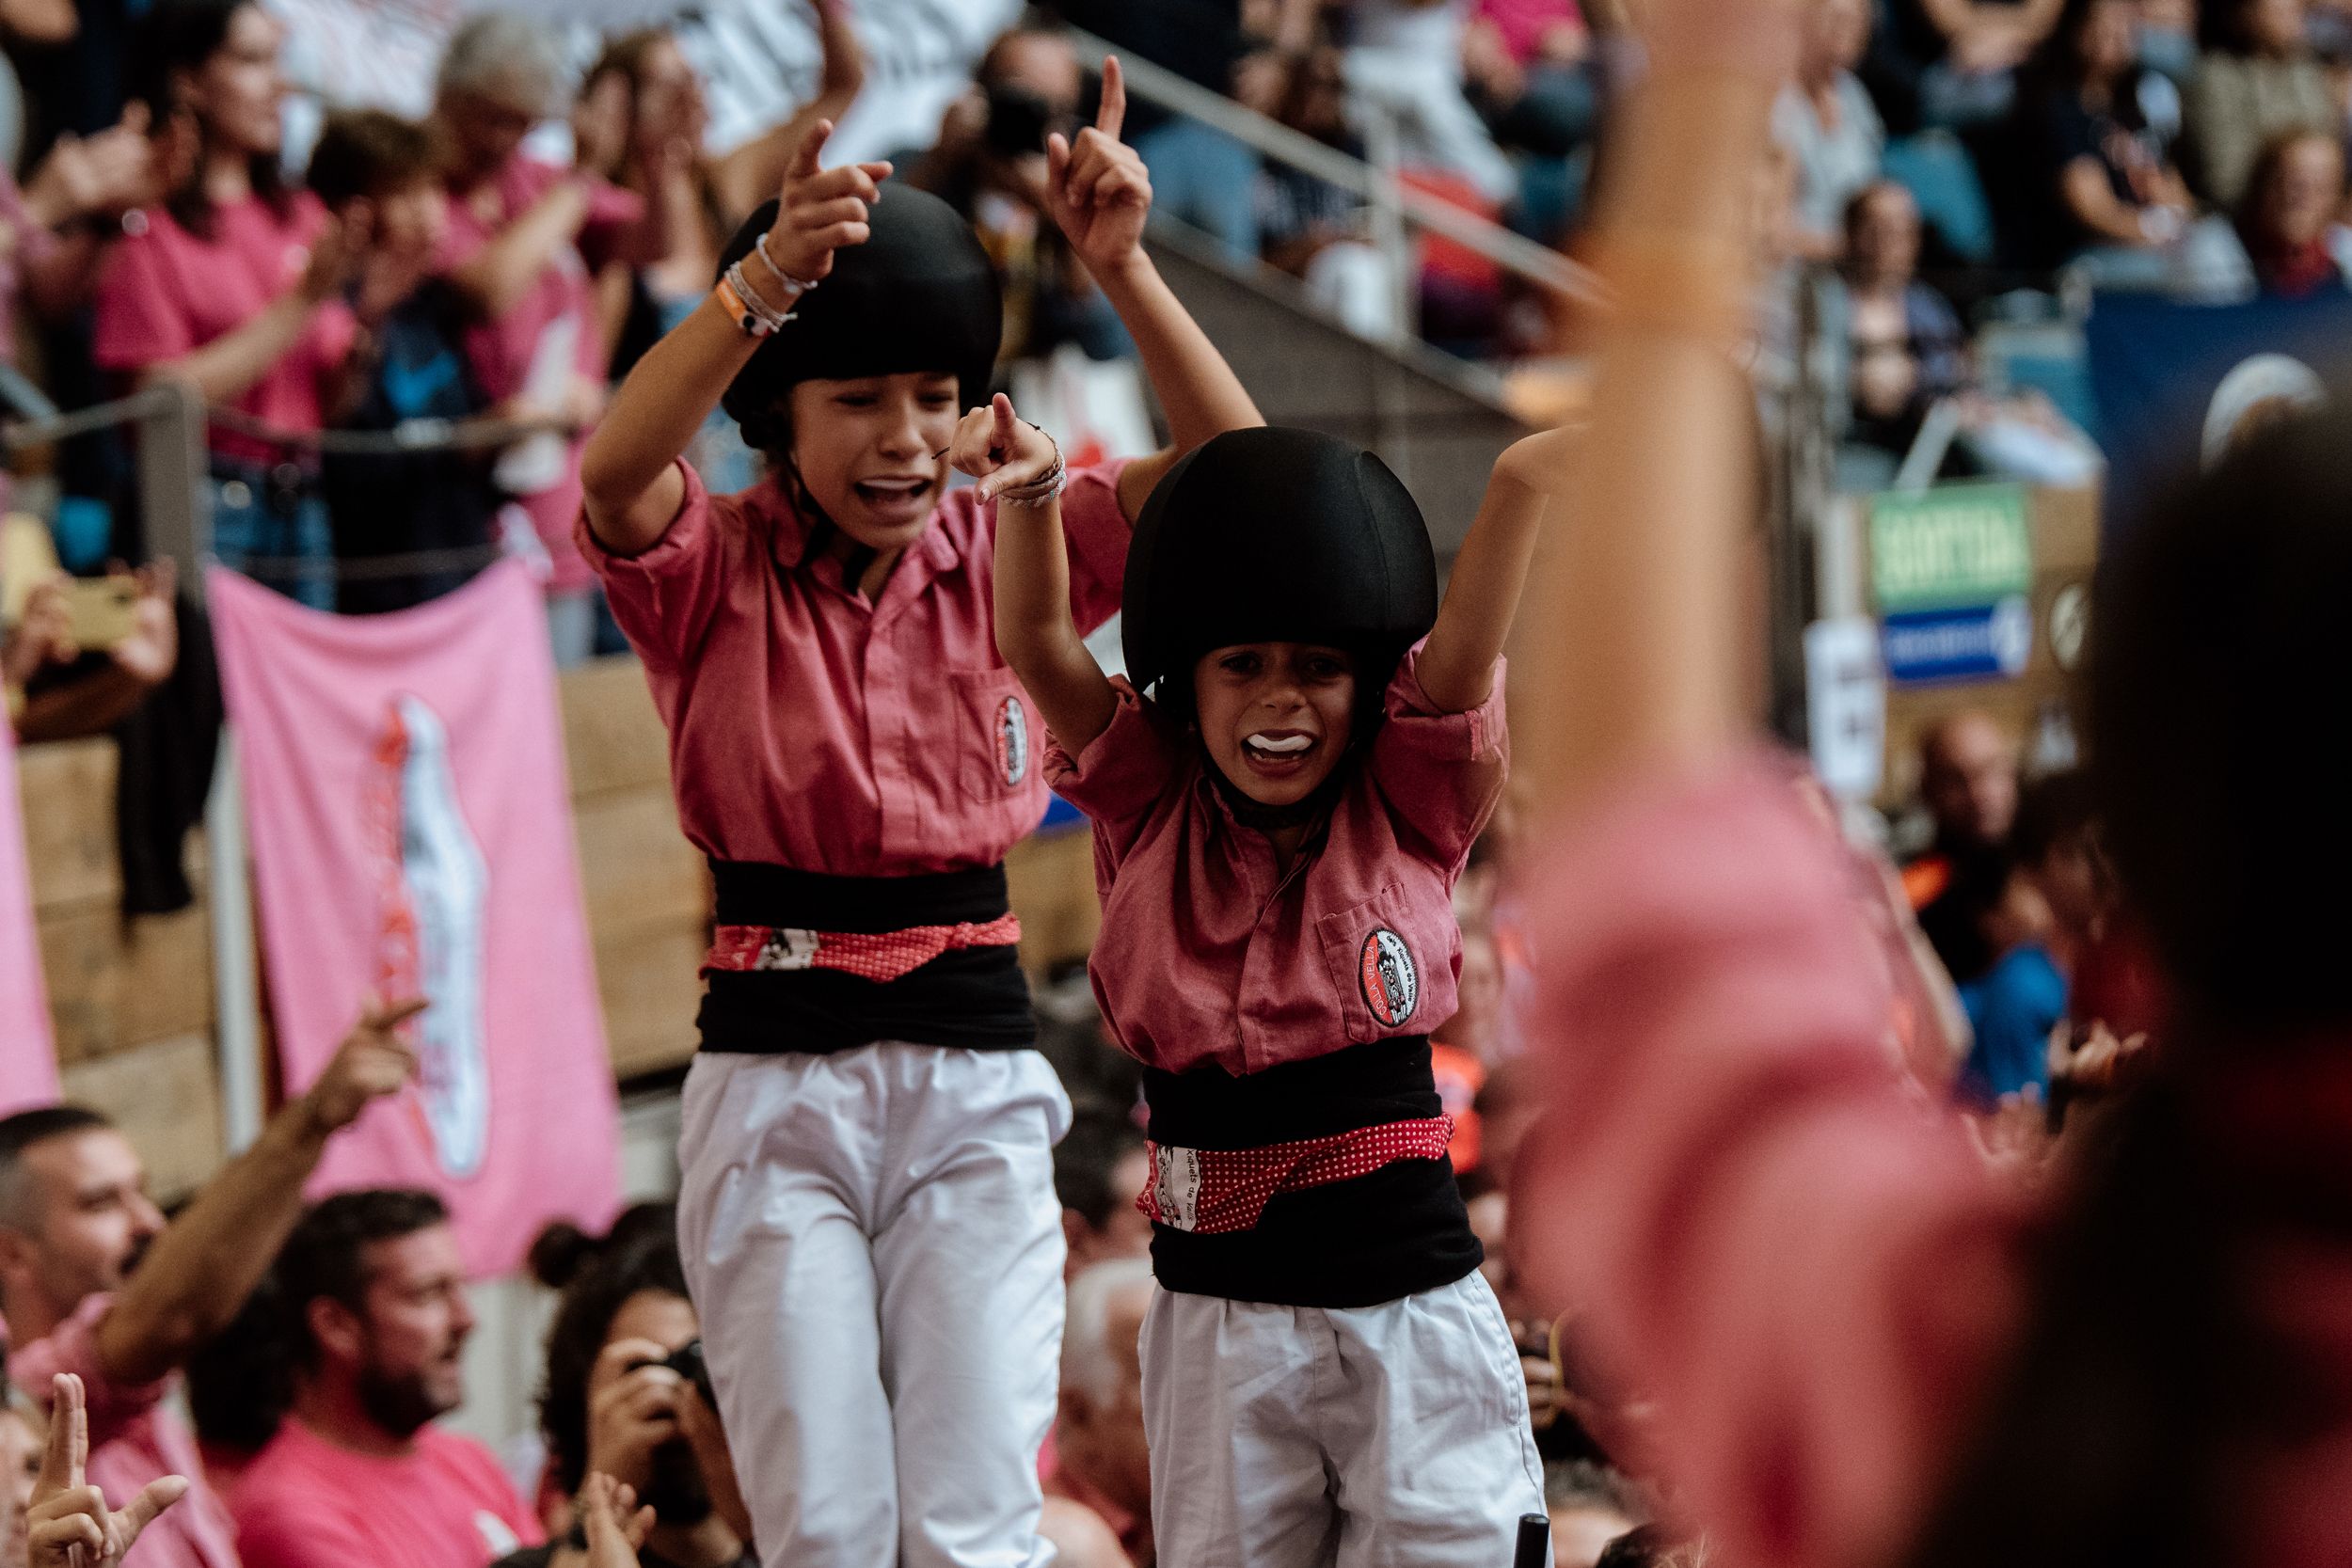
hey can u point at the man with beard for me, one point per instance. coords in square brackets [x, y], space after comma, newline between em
[622, 1400]
[374, 1293]
[94, 1283]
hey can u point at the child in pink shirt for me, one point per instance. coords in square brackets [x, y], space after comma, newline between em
[1284, 789]
[867, 1215]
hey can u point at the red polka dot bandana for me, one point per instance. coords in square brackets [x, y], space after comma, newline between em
[879, 955]
[1211, 1191]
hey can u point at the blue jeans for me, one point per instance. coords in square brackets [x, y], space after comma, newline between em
[272, 518]
[1203, 176]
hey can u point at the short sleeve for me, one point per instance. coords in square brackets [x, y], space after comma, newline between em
[1097, 534]
[665, 596]
[1119, 777]
[73, 1347]
[1440, 773]
[138, 324]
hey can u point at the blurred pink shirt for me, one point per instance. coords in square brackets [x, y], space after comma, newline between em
[305, 1502]
[1523, 24]
[1809, 1268]
[1211, 954]
[502, 349]
[167, 292]
[812, 728]
[135, 1438]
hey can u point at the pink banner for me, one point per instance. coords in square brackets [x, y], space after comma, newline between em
[28, 1065]
[412, 835]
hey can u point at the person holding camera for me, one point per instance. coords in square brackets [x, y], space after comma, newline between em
[628, 1396]
[988, 164]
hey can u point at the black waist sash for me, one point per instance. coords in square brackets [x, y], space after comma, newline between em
[1359, 1243]
[975, 998]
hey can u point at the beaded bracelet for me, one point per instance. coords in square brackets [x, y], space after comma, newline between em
[746, 320]
[750, 307]
[1040, 489]
[793, 287]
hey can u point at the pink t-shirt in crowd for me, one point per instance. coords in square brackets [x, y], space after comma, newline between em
[811, 728]
[502, 350]
[1210, 953]
[306, 1503]
[1524, 24]
[135, 1438]
[1804, 1270]
[166, 293]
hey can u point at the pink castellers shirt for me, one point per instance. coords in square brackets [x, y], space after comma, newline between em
[813, 729]
[1806, 1266]
[305, 1502]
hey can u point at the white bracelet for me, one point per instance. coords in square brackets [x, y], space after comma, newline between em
[1043, 488]
[793, 287]
[755, 303]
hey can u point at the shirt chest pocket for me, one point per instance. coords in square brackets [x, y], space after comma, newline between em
[998, 748]
[1385, 958]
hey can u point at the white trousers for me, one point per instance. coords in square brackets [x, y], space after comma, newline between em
[875, 1249]
[1389, 1437]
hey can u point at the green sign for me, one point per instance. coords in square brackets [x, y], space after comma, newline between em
[1958, 544]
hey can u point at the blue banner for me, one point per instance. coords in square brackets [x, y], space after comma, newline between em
[2173, 383]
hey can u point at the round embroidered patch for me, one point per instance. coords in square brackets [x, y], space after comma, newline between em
[1012, 741]
[1391, 985]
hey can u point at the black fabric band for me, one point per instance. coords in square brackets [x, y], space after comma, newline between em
[969, 998]
[1373, 1239]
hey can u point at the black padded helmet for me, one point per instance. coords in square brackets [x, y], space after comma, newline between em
[1272, 535]
[920, 294]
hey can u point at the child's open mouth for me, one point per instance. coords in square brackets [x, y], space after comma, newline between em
[1278, 754]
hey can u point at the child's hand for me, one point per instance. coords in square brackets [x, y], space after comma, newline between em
[820, 211]
[614, 1524]
[1540, 461]
[1098, 189]
[67, 1523]
[1000, 451]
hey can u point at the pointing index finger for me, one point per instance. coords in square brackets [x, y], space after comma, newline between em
[1113, 113]
[1001, 437]
[804, 157]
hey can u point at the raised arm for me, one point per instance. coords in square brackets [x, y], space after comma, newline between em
[629, 468]
[1482, 597]
[205, 1263]
[1020, 469]
[744, 176]
[1098, 192]
[1645, 664]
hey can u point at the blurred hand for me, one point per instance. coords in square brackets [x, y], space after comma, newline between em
[104, 175]
[148, 653]
[43, 636]
[334, 256]
[818, 211]
[999, 450]
[601, 126]
[1097, 189]
[634, 1412]
[372, 1062]
[67, 1523]
[614, 1524]
[700, 1423]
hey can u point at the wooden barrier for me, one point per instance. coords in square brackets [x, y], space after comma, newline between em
[132, 1003]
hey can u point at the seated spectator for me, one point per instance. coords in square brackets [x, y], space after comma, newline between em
[1102, 1462]
[1200, 175]
[232, 285]
[624, 1356]
[378, 176]
[1968, 783]
[2055, 905]
[2259, 79]
[2112, 201]
[358, 1477]
[1318, 232]
[1590, 1505]
[1532, 73]
[698, 199]
[1904, 347]
[1100, 1169]
[988, 164]
[1405, 60]
[94, 1283]
[1829, 126]
[2291, 219]
[56, 690]
[524, 242]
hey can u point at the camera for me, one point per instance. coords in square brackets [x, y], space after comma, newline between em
[687, 1362]
[1019, 120]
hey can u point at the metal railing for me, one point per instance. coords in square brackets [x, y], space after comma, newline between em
[1393, 204]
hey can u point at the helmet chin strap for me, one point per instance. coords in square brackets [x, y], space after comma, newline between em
[861, 557]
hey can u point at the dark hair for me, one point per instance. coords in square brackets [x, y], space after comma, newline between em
[1099, 1138]
[240, 1382]
[2059, 64]
[562, 1251]
[646, 1258]
[2050, 810]
[325, 1256]
[20, 1132]
[370, 154]
[2145, 1389]
[179, 36]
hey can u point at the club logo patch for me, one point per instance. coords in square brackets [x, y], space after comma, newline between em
[1176, 1186]
[1391, 983]
[1012, 741]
